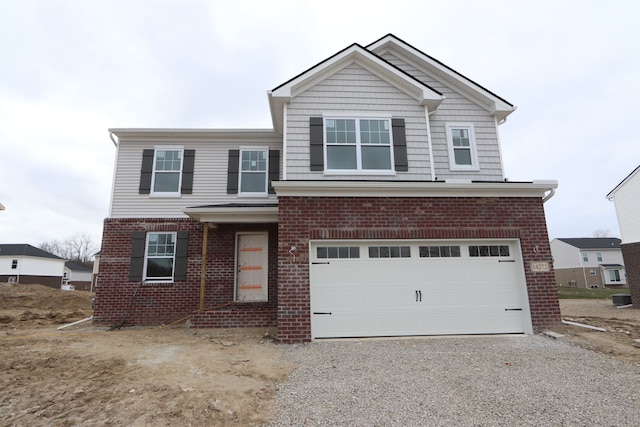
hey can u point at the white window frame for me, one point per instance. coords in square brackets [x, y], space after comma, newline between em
[176, 193]
[14, 264]
[146, 258]
[359, 170]
[599, 256]
[264, 193]
[585, 256]
[472, 147]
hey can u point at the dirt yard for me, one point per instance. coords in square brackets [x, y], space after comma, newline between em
[85, 376]
[622, 327]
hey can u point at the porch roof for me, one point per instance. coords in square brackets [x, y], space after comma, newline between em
[234, 213]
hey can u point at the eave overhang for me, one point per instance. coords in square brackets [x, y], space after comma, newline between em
[539, 189]
[422, 93]
[225, 214]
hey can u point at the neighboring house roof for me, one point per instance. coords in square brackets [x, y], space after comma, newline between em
[594, 242]
[628, 177]
[74, 266]
[25, 250]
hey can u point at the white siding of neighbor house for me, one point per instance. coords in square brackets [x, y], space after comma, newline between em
[354, 89]
[457, 108]
[627, 202]
[568, 256]
[32, 266]
[209, 176]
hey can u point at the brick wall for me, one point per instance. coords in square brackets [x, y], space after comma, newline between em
[305, 218]
[631, 256]
[155, 304]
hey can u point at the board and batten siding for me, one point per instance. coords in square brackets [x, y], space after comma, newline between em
[456, 108]
[209, 176]
[627, 202]
[354, 89]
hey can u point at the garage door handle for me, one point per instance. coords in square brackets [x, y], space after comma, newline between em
[416, 296]
[322, 312]
[512, 309]
[506, 260]
[317, 262]
[420, 294]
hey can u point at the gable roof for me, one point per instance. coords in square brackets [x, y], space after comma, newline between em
[74, 266]
[282, 94]
[495, 104]
[611, 194]
[594, 242]
[25, 250]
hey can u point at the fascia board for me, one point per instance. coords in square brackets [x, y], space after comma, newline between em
[159, 133]
[413, 189]
[613, 192]
[225, 215]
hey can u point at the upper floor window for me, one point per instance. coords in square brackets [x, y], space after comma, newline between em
[585, 257]
[14, 264]
[358, 144]
[462, 146]
[599, 256]
[167, 168]
[160, 256]
[253, 171]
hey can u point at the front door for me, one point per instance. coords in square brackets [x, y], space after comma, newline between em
[252, 267]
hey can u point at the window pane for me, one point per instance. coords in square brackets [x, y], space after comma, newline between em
[341, 157]
[253, 182]
[333, 252]
[378, 158]
[166, 182]
[434, 251]
[354, 252]
[444, 251]
[423, 251]
[493, 251]
[474, 251]
[462, 156]
[343, 252]
[405, 252]
[374, 252]
[504, 250]
[455, 251]
[160, 268]
[384, 252]
[321, 252]
[484, 250]
[394, 251]
[168, 160]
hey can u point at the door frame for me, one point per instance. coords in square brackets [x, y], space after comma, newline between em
[236, 266]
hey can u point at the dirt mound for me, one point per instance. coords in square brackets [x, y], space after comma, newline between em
[41, 305]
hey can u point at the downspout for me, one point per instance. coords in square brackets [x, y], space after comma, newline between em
[203, 271]
[548, 196]
[431, 161]
[284, 142]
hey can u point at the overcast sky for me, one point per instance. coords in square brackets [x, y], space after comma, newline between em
[69, 70]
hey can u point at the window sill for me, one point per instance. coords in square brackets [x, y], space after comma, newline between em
[358, 173]
[165, 195]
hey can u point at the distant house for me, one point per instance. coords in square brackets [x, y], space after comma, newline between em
[626, 197]
[588, 262]
[23, 263]
[77, 275]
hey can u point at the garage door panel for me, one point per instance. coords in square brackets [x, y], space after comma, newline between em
[418, 296]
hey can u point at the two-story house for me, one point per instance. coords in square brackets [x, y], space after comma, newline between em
[588, 262]
[376, 206]
[626, 197]
[26, 264]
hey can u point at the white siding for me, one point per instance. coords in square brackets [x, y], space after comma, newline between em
[354, 89]
[627, 202]
[458, 108]
[209, 177]
[32, 266]
[565, 255]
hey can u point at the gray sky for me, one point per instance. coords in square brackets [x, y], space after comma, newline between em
[72, 69]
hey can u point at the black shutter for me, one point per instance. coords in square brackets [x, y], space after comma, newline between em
[137, 255]
[146, 172]
[187, 171]
[316, 148]
[399, 145]
[274, 168]
[182, 246]
[232, 171]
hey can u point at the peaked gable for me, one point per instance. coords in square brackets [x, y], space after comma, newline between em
[493, 103]
[421, 92]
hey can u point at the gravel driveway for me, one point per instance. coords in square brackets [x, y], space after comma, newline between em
[471, 381]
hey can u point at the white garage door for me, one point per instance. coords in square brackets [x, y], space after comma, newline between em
[395, 288]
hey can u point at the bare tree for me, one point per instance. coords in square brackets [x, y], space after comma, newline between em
[602, 232]
[79, 247]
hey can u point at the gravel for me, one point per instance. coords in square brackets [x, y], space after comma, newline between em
[470, 381]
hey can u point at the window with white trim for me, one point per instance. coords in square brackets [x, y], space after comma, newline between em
[462, 146]
[358, 144]
[253, 172]
[614, 275]
[599, 256]
[167, 171]
[160, 255]
[585, 257]
[14, 264]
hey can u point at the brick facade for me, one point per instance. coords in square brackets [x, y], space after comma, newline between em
[305, 218]
[153, 304]
[631, 256]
